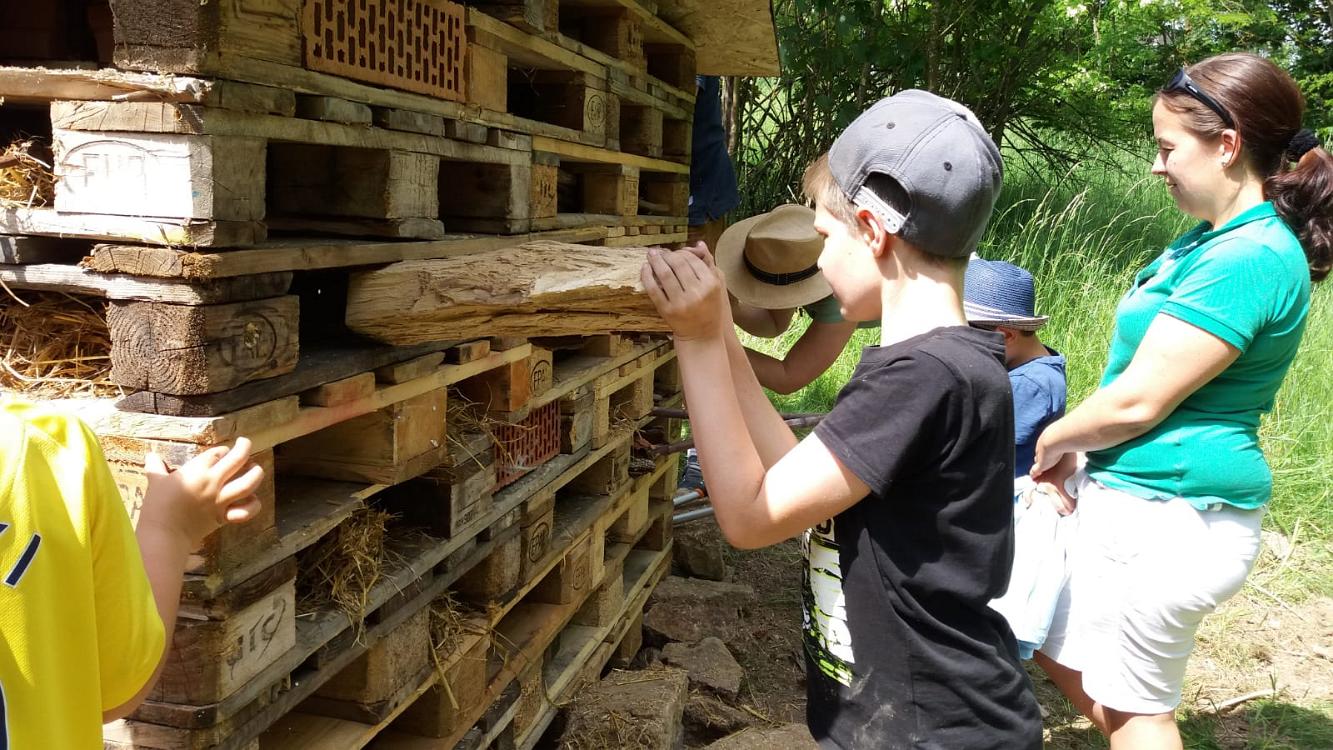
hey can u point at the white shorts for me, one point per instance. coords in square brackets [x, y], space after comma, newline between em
[1143, 575]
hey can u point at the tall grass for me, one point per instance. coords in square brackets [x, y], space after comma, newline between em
[1084, 238]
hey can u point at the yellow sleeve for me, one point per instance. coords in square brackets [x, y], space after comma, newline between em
[130, 635]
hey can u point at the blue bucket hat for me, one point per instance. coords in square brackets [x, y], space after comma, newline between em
[996, 293]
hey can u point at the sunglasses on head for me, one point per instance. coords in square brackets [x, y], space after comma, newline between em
[1181, 81]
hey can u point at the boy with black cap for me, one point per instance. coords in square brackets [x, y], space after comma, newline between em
[906, 487]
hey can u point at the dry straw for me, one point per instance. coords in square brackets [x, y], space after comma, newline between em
[340, 570]
[26, 177]
[56, 346]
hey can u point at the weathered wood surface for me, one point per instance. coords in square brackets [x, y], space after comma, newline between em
[536, 289]
[60, 277]
[731, 37]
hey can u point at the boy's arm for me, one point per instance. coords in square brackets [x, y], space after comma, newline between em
[758, 321]
[755, 506]
[808, 358]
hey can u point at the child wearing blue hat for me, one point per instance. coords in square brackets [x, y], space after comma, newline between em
[1001, 297]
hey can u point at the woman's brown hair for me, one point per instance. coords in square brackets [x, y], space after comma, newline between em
[1267, 107]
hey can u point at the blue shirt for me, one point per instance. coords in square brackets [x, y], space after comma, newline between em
[1039, 399]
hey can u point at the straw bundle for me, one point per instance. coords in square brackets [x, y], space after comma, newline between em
[26, 177]
[340, 570]
[56, 346]
[448, 624]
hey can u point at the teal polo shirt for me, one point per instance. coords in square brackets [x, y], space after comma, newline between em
[1248, 283]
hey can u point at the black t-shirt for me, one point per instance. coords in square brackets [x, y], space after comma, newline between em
[901, 648]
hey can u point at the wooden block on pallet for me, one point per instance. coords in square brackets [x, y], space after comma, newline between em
[495, 576]
[470, 351]
[367, 689]
[196, 349]
[629, 646]
[387, 446]
[603, 606]
[535, 16]
[466, 130]
[677, 140]
[634, 401]
[605, 477]
[634, 521]
[199, 35]
[501, 194]
[576, 415]
[572, 576]
[508, 388]
[618, 34]
[569, 99]
[445, 501]
[332, 109]
[538, 522]
[672, 63]
[614, 190]
[441, 710]
[341, 391]
[545, 177]
[641, 130]
[252, 627]
[487, 78]
[320, 180]
[162, 175]
[666, 379]
[531, 697]
[658, 536]
[668, 192]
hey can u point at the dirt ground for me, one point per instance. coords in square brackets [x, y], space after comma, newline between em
[1261, 676]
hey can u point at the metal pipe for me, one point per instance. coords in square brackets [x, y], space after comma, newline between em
[686, 498]
[692, 515]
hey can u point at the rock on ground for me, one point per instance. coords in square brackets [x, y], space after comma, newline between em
[688, 610]
[708, 718]
[709, 664]
[698, 552]
[789, 737]
[640, 710]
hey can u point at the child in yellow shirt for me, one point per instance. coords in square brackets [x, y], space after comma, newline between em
[82, 602]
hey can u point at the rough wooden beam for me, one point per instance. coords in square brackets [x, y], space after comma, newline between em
[535, 289]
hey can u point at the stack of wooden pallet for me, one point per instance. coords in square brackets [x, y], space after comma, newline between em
[216, 193]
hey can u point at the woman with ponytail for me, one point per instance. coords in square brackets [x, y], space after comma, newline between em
[1174, 485]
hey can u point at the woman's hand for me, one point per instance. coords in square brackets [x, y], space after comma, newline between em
[688, 291]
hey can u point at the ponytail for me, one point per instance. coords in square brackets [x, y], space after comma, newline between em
[1303, 197]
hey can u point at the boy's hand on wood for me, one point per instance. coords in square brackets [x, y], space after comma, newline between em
[214, 488]
[687, 289]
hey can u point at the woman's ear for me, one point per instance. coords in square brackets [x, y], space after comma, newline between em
[1228, 147]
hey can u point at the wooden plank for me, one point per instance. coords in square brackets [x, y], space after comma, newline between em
[105, 419]
[365, 689]
[386, 446]
[329, 362]
[412, 122]
[530, 51]
[170, 232]
[469, 351]
[732, 37]
[487, 78]
[26, 85]
[201, 349]
[534, 16]
[154, 118]
[540, 287]
[79, 280]
[310, 254]
[332, 109]
[264, 29]
[579, 152]
[165, 175]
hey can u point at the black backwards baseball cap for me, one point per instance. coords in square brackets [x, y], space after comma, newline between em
[939, 155]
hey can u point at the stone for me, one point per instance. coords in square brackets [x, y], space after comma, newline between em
[788, 737]
[687, 610]
[643, 710]
[709, 664]
[708, 718]
[697, 550]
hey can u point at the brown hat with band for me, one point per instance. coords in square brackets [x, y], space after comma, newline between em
[770, 259]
